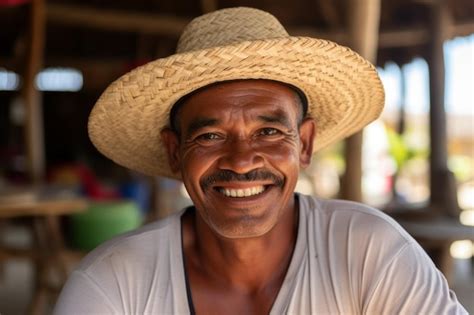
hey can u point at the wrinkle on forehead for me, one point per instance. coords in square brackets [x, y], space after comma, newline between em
[246, 93]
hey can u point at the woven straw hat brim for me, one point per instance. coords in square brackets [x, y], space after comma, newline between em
[344, 94]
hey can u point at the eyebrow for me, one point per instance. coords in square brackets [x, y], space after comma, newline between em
[200, 123]
[278, 117]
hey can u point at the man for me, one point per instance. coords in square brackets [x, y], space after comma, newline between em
[236, 114]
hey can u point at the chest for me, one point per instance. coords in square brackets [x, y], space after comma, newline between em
[214, 297]
[206, 302]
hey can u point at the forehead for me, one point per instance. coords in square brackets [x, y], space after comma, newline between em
[252, 96]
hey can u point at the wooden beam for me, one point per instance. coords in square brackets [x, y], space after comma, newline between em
[363, 32]
[172, 26]
[403, 38]
[388, 38]
[442, 181]
[34, 137]
[116, 20]
[460, 29]
[421, 35]
[439, 24]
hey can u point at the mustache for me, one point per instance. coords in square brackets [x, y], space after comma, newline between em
[230, 176]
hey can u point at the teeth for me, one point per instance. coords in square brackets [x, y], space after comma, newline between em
[239, 193]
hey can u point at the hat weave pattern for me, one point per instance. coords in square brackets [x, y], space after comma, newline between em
[227, 27]
[343, 90]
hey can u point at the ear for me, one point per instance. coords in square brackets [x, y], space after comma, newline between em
[307, 132]
[171, 141]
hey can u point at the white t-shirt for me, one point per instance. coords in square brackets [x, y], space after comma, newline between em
[348, 259]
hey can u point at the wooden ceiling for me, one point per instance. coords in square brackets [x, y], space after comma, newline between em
[107, 38]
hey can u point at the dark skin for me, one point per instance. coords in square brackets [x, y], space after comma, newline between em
[239, 242]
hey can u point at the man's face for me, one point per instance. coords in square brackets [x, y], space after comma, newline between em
[239, 152]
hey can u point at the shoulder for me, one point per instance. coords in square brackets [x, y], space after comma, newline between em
[130, 274]
[358, 219]
[144, 241]
[365, 251]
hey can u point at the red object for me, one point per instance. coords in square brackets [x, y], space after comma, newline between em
[10, 3]
[92, 187]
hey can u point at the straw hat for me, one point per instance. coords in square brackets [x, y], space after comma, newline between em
[343, 90]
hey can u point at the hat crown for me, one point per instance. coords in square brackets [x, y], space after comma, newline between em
[227, 27]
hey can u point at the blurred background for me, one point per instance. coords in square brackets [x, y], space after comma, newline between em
[59, 198]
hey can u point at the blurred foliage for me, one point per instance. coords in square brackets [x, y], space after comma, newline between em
[400, 151]
[462, 166]
[397, 148]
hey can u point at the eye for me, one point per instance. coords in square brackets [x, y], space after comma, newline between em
[269, 132]
[207, 137]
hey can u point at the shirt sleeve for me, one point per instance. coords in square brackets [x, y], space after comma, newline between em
[411, 284]
[81, 295]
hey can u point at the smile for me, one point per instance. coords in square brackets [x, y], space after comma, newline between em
[240, 193]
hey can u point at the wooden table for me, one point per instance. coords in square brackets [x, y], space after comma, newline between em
[439, 229]
[48, 252]
[436, 235]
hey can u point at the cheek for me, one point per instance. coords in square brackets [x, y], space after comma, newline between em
[282, 153]
[197, 160]
[279, 155]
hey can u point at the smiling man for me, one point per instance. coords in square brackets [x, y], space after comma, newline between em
[236, 114]
[241, 154]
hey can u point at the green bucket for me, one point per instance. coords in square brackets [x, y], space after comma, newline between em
[101, 222]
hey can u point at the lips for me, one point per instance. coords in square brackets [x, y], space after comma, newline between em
[222, 179]
[241, 193]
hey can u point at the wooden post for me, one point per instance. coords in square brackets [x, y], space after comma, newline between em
[401, 126]
[442, 181]
[363, 36]
[116, 20]
[32, 97]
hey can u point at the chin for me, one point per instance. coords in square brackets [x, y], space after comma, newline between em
[247, 227]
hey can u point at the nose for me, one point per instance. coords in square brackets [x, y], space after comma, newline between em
[240, 157]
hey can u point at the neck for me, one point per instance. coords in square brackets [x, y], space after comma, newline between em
[249, 264]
